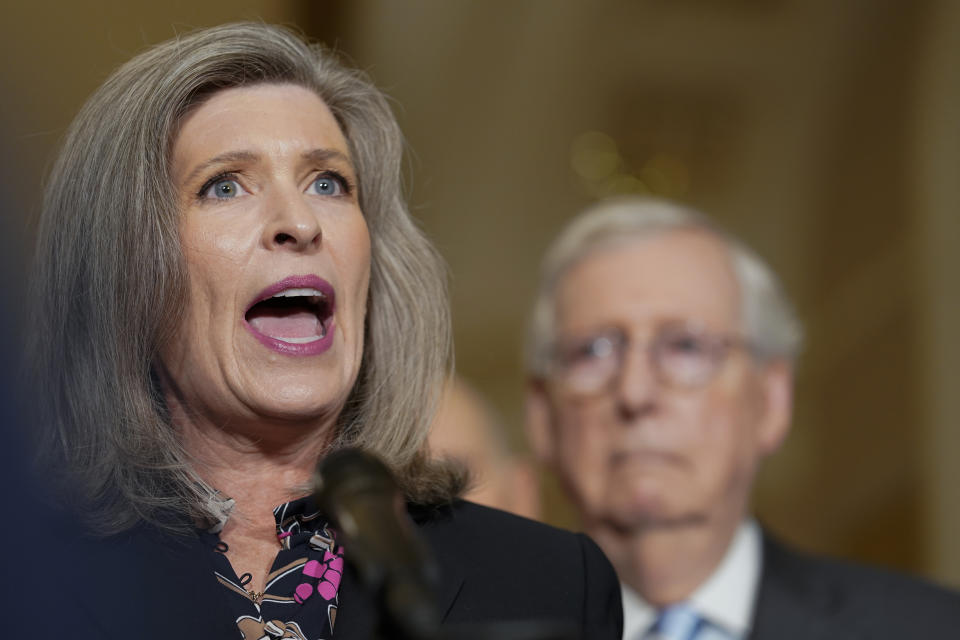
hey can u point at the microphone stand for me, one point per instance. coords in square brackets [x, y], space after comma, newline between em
[359, 494]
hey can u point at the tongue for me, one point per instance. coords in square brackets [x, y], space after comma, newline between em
[278, 323]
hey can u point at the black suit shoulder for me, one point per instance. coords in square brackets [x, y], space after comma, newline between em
[506, 567]
[810, 597]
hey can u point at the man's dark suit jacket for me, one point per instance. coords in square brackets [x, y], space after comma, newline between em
[809, 598]
[495, 567]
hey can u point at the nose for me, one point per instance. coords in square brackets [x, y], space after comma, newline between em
[292, 224]
[637, 385]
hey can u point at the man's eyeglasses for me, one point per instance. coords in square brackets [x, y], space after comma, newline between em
[680, 355]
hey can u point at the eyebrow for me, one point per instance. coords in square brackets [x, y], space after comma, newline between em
[326, 155]
[223, 158]
[320, 156]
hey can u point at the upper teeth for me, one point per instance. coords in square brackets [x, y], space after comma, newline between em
[292, 293]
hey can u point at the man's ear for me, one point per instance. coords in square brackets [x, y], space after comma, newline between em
[777, 381]
[538, 421]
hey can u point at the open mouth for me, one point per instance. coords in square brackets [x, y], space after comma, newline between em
[293, 315]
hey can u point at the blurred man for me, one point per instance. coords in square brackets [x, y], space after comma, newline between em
[660, 360]
[466, 428]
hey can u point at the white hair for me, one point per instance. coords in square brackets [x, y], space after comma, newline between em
[770, 323]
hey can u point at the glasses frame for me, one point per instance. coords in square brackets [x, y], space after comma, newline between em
[719, 345]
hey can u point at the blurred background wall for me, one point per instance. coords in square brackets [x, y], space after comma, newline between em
[825, 133]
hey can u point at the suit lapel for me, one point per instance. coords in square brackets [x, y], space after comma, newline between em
[357, 614]
[448, 562]
[795, 603]
[127, 575]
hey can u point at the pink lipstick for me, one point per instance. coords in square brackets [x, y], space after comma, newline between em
[293, 316]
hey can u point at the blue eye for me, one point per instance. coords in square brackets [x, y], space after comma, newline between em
[223, 189]
[328, 185]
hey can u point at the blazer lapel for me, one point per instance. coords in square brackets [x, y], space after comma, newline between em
[357, 615]
[446, 556]
[795, 603]
[127, 575]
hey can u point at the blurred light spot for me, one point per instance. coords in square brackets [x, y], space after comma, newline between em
[594, 156]
[622, 184]
[603, 171]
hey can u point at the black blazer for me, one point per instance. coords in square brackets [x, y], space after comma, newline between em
[803, 597]
[495, 567]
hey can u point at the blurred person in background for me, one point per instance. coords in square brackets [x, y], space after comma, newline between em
[660, 360]
[228, 287]
[467, 429]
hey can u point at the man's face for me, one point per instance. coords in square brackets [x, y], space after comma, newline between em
[643, 450]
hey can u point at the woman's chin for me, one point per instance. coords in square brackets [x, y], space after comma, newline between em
[292, 408]
[291, 388]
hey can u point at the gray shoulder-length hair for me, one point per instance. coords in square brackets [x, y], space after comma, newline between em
[770, 322]
[109, 278]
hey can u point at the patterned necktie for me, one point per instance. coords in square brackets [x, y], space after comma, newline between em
[676, 622]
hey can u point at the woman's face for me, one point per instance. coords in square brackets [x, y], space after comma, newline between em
[278, 256]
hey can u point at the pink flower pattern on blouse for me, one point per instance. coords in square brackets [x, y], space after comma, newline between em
[300, 598]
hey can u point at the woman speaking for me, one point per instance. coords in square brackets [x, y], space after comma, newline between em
[227, 288]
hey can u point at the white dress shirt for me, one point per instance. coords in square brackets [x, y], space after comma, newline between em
[726, 599]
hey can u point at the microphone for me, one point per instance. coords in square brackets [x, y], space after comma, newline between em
[358, 492]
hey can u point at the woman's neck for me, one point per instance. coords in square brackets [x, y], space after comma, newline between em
[258, 473]
[257, 464]
[254, 471]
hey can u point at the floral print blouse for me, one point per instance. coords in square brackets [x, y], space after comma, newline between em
[300, 597]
